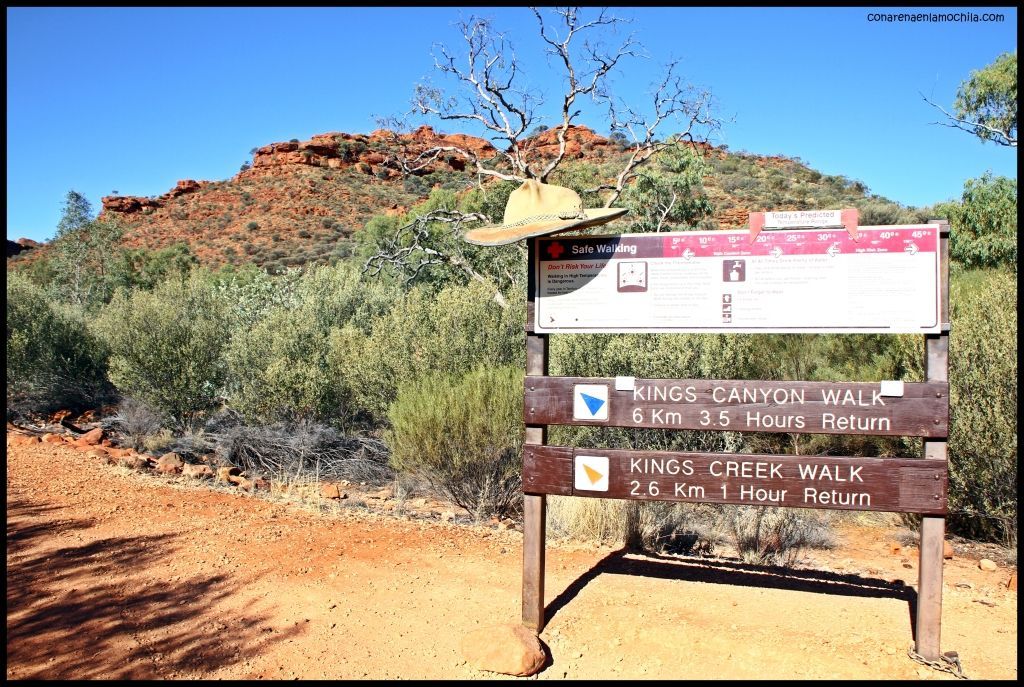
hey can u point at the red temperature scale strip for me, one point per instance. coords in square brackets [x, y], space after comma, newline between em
[791, 242]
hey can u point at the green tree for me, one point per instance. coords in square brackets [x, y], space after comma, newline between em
[85, 250]
[145, 268]
[426, 247]
[986, 104]
[669, 193]
[983, 226]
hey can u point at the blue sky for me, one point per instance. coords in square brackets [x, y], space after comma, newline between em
[104, 99]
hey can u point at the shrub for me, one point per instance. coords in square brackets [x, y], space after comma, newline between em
[662, 527]
[464, 435]
[166, 346]
[137, 421]
[983, 406]
[53, 361]
[984, 225]
[776, 536]
[301, 451]
[252, 226]
[450, 331]
[279, 366]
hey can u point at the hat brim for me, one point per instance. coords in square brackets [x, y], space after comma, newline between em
[502, 235]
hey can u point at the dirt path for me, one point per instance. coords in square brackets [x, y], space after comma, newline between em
[115, 575]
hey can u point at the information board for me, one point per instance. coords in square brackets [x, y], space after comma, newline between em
[787, 281]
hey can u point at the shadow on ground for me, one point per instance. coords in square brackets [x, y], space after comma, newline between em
[97, 610]
[718, 571]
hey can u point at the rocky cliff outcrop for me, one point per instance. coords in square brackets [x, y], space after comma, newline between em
[375, 153]
[127, 205]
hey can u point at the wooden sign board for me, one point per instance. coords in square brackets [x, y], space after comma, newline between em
[886, 408]
[822, 281]
[843, 483]
[853, 280]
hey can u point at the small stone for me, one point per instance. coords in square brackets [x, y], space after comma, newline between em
[890, 651]
[263, 484]
[245, 484]
[329, 490]
[987, 565]
[92, 437]
[197, 471]
[97, 453]
[51, 438]
[509, 648]
[1011, 583]
[447, 516]
[224, 474]
[170, 463]
[134, 462]
[947, 550]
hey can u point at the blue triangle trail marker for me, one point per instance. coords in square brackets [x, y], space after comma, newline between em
[590, 402]
[593, 404]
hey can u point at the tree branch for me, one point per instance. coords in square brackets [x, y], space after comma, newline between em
[409, 250]
[983, 131]
[671, 100]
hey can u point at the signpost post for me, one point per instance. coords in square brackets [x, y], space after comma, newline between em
[835, 278]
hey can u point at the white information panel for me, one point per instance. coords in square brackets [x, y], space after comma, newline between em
[787, 281]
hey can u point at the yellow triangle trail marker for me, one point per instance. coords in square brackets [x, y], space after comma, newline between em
[591, 473]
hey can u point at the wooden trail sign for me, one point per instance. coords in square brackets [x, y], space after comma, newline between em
[888, 408]
[842, 483]
[868, 280]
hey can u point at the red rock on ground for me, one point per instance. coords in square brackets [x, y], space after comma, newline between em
[135, 462]
[224, 474]
[329, 490]
[509, 648]
[197, 471]
[170, 463]
[92, 437]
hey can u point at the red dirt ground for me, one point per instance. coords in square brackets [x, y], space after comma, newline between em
[116, 575]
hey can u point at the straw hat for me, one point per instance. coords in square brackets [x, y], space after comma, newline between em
[535, 209]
